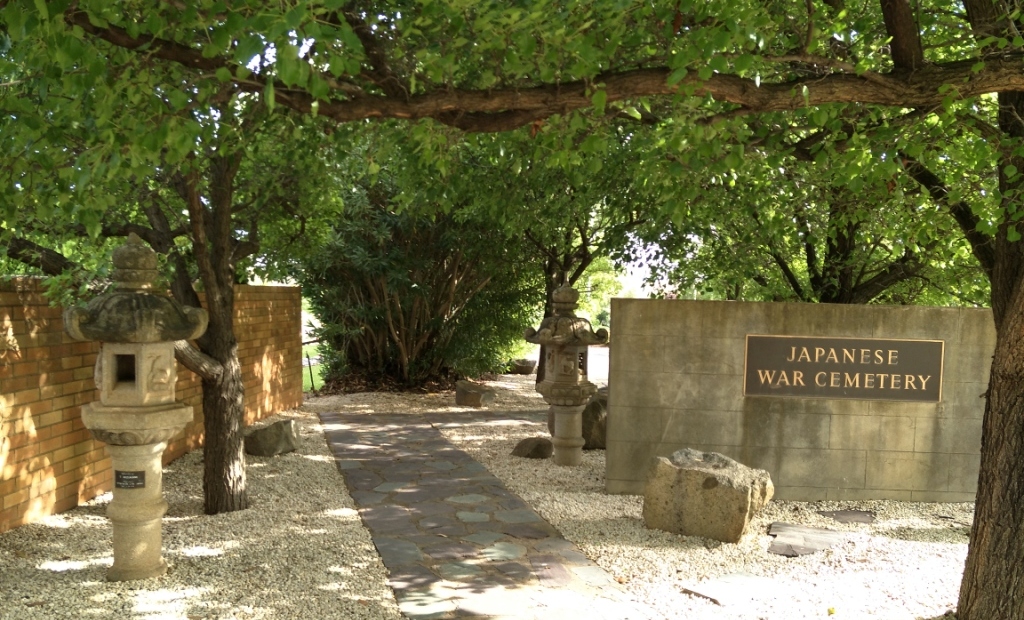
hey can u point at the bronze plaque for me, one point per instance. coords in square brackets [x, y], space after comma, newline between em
[858, 368]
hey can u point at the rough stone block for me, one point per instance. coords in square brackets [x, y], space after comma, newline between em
[471, 394]
[704, 494]
[524, 366]
[595, 421]
[277, 438]
[534, 448]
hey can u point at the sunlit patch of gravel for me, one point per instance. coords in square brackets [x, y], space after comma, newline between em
[906, 565]
[300, 551]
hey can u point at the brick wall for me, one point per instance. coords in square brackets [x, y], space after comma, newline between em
[49, 462]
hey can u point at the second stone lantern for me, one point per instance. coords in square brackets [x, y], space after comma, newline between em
[565, 338]
[136, 414]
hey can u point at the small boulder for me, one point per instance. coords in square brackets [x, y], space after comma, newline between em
[523, 366]
[707, 494]
[534, 448]
[273, 439]
[595, 421]
[471, 394]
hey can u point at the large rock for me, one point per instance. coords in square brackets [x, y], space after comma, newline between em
[471, 394]
[595, 421]
[534, 448]
[707, 494]
[524, 366]
[271, 440]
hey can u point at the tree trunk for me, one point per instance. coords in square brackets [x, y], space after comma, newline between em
[554, 277]
[993, 582]
[224, 414]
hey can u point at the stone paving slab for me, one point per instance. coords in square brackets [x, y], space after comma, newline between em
[455, 541]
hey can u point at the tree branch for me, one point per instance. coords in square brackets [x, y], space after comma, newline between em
[34, 255]
[981, 243]
[153, 46]
[791, 278]
[197, 361]
[503, 109]
[381, 74]
[904, 268]
[905, 37]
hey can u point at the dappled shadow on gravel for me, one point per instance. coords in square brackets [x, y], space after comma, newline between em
[928, 534]
[356, 382]
[299, 551]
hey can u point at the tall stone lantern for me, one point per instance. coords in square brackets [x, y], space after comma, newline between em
[136, 414]
[565, 338]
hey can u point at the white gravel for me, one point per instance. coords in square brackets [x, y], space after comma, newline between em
[301, 551]
[906, 565]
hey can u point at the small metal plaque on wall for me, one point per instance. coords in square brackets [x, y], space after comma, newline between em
[129, 479]
[853, 368]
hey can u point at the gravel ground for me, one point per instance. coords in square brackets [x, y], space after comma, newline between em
[301, 551]
[906, 565]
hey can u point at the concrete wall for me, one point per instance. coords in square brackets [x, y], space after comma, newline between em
[49, 462]
[676, 380]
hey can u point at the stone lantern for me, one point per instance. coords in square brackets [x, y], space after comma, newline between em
[136, 414]
[565, 338]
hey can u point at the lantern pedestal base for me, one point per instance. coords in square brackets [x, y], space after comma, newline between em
[568, 438]
[136, 512]
[136, 439]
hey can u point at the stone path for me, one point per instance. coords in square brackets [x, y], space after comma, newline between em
[455, 541]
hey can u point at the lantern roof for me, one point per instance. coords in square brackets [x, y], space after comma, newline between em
[133, 312]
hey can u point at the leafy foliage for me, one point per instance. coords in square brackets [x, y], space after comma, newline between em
[788, 229]
[410, 298]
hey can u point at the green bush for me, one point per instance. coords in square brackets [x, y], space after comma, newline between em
[411, 299]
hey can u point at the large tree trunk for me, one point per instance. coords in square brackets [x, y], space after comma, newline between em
[993, 582]
[554, 277]
[224, 415]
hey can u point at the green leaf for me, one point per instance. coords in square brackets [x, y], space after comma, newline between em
[598, 100]
[178, 99]
[294, 17]
[248, 48]
[743, 62]
[224, 74]
[44, 12]
[268, 95]
[676, 76]
[289, 65]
